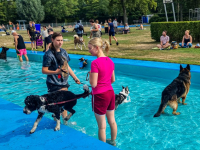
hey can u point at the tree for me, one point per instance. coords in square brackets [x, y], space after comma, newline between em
[59, 9]
[124, 5]
[30, 10]
[2, 15]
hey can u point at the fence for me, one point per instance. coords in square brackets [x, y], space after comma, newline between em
[67, 25]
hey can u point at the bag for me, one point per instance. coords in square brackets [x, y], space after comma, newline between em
[7, 33]
[174, 45]
[80, 27]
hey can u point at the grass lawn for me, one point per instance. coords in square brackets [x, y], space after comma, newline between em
[136, 45]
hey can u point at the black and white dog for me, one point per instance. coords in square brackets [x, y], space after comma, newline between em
[55, 103]
[121, 97]
[3, 54]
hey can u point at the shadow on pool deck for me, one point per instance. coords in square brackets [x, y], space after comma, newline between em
[15, 127]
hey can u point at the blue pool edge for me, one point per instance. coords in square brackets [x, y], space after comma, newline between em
[15, 127]
[143, 63]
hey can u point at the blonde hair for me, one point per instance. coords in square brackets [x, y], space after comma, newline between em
[97, 21]
[187, 31]
[100, 43]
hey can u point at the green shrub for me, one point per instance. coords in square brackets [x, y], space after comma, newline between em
[176, 30]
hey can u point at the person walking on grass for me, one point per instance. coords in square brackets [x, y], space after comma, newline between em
[19, 46]
[45, 36]
[53, 59]
[31, 32]
[102, 75]
[99, 27]
[106, 26]
[164, 41]
[79, 30]
[94, 29]
[49, 38]
[111, 31]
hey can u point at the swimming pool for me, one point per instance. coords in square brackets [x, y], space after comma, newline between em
[137, 129]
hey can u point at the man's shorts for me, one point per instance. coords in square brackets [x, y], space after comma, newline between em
[22, 52]
[33, 38]
[103, 102]
[80, 35]
[112, 33]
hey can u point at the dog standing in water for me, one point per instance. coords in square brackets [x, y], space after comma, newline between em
[178, 89]
[3, 54]
[121, 97]
[78, 42]
[54, 102]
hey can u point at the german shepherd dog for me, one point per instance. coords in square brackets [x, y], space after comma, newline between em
[178, 89]
[78, 42]
[3, 54]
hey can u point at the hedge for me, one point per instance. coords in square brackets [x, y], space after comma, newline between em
[176, 30]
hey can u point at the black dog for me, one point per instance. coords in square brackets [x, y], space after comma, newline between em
[121, 97]
[3, 54]
[46, 103]
[178, 89]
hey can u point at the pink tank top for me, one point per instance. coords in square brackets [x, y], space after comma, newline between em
[104, 66]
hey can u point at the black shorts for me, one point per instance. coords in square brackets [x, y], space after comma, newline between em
[52, 87]
[33, 38]
[80, 35]
[112, 33]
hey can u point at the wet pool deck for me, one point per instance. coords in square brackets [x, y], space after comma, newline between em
[15, 127]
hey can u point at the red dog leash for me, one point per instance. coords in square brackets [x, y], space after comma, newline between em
[67, 101]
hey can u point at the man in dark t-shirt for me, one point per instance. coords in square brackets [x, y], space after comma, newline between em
[31, 32]
[48, 40]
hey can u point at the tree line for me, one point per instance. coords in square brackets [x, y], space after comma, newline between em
[72, 10]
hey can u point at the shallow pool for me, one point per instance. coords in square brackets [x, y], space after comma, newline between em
[137, 129]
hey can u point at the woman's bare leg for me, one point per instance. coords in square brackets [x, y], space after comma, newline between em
[102, 127]
[111, 120]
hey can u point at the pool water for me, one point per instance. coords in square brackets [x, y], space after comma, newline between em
[137, 129]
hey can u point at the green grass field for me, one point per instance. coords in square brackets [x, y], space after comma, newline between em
[136, 45]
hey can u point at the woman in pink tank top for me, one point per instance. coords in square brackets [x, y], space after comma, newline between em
[103, 98]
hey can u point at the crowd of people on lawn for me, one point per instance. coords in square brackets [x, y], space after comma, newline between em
[164, 41]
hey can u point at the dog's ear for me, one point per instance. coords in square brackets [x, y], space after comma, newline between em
[127, 88]
[181, 68]
[188, 67]
[123, 87]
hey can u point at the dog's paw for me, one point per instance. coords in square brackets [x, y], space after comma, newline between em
[31, 132]
[57, 129]
[184, 103]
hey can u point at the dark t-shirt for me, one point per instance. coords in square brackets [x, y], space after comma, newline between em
[111, 27]
[49, 39]
[50, 61]
[31, 30]
[20, 44]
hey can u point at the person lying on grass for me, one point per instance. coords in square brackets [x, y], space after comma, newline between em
[164, 41]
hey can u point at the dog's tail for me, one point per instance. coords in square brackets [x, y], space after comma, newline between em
[86, 92]
[162, 106]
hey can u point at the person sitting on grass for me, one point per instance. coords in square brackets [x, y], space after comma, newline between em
[187, 40]
[164, 41]
[126, 28]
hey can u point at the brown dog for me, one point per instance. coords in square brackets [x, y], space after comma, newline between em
[178, 89]
[78, 42]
